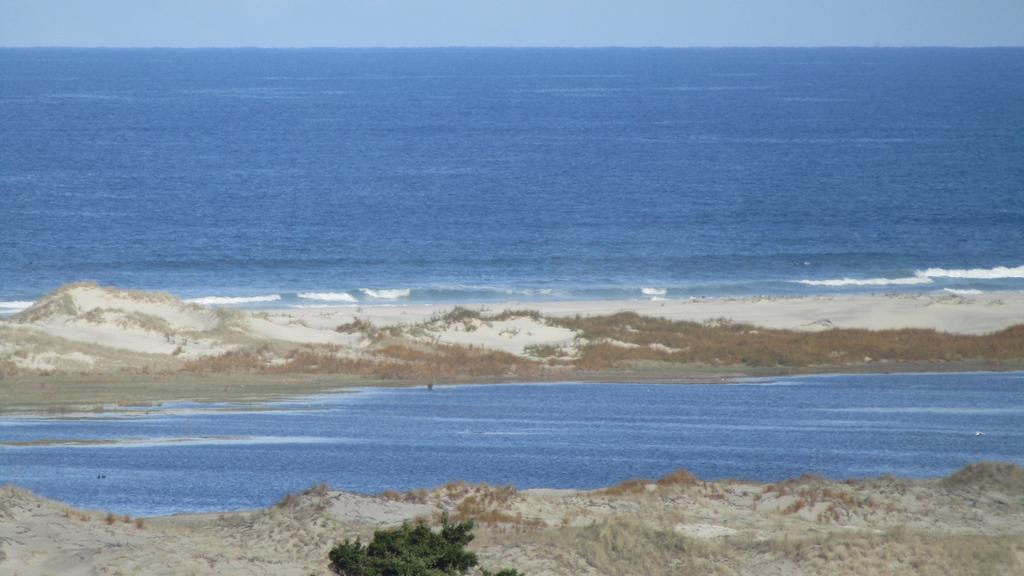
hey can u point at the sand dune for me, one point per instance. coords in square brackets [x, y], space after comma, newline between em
[86, 328]
[969, 523]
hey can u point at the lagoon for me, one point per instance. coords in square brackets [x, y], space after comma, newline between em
[190, 457]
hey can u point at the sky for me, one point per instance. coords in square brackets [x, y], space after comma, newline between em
[582, 23]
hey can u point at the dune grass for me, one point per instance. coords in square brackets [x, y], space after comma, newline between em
[621, 341]
[392, 362]
[624, 338]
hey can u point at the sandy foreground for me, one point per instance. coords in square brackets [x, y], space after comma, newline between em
[88, 343]
[969, 523]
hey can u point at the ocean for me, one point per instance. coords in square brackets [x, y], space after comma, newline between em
[213, 457]
[311, 177]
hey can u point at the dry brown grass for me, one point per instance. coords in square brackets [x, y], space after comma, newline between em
[481, 511]
[727, 343]
[393, 362]
[1004, 476]
[545, 351]
[471, 318]
[357, 326]
[292, 500]
[631, 486]
[627, 546]
[679, 478]
[682, 478]
[898, 551]
[246, 360]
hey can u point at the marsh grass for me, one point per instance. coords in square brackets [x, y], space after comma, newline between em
[392, 362]
[547, 351]
[627, 337]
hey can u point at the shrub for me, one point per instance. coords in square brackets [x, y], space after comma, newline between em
[410, 551]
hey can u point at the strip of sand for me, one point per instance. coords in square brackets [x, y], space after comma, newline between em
[944, 312]
[90, 343]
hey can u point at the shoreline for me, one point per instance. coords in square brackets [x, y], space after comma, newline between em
[93, 393]
[967, 522]
[87, 344]
[1011, 468]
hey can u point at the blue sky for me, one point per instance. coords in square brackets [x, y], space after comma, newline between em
[296, 23]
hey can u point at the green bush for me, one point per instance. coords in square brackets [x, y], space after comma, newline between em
[411, 551]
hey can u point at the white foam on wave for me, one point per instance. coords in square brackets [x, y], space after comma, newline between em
[963, 292]
[328, 296]
[217, 300]
[974, 273]
[393, 294]
[834, 282]
[14, 305]
[654, 291]
[926, 276]
[523, 291]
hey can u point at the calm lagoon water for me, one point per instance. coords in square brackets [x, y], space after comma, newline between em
[188, 457]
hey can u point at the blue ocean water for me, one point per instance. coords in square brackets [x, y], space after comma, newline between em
[185, 457]
[481, 174]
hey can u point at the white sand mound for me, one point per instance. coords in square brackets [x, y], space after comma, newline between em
[77, 301]
[512, 336]
[143, 322]
[149, 323]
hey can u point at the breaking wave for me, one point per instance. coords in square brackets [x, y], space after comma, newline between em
[654, 291]
[220, 300]
[926, 276]
[14, 305]
[394, 294]
[328, 296]
[974, 273]
[911, 281]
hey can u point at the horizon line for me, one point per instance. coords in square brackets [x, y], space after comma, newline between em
[513, 47]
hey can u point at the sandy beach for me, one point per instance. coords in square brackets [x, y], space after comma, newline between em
[88, 343]
[942, 311]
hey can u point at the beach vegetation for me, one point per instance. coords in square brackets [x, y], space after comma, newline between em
[410, 550]
[623, 339]
[471, 318]
[545, 351]
[359, 326]
[631, 486]
[680, 478]
[389, 363]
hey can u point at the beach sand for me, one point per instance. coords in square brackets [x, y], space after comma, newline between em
[88, 343]
[969, 523]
